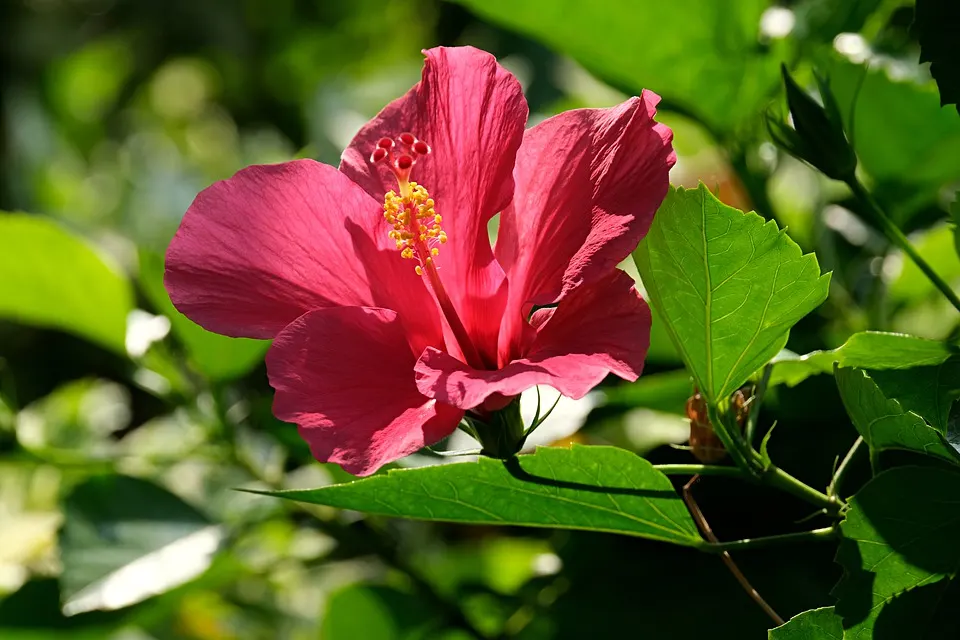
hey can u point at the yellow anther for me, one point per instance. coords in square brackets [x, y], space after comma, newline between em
[437, 219]
[414, 223]
[419, 270]
[434, 251]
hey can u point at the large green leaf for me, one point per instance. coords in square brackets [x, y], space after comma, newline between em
[701, 55]
[217, 357]
[936, 23]
[728, 285]
[51, 278]
[125, 539]
[589, 488]
[818, 624]
[867, 350]
[900, 534]
[884, 423]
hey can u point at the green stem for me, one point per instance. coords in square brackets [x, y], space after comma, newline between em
[827, 533]
[738, 449]
[894, 235]
[758, 395]
[834, 488]
[700, 469]
[780, 479]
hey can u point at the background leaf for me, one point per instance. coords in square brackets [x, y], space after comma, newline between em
[927, 391]
[125, 539]
[936, 23]
[884, 423]
[818, 624]
[728, 285]
[590, 488]
[700, 55]
[51, 278]
[217, 357]
[900, 533]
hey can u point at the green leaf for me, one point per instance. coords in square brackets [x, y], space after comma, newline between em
[936, 245]
[927, 391]
[51, 278]
[215, 356]
[728, 285]
[936, 23]
[955, 213]
[125, 539]
[901, 134]
[866, 350]
[900, 533]
[374, 612]
[817, 624]
[589, 488]
[701, 55]
[884, 423]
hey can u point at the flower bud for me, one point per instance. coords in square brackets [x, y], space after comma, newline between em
[817, 135]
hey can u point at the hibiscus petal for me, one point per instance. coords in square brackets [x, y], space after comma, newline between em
[472, 113]
[344, 376]
[597, 329]
[588, 183]
[255, 252]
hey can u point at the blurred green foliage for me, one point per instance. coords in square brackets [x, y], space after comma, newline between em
[124, 427]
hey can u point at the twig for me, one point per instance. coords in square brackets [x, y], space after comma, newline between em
[841, 472]
[727, 559]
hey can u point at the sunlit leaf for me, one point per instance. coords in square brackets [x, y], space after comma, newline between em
[818, 624]
[866, 350]
[729, 286]
[900, 533]
[884, 423]
[589, 488]
[936, 23]
[701, 55]
[126, 539]
[218, 357]
[51, 278]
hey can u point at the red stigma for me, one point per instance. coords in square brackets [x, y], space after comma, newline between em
[404, 162]
[400, 154]
[385, 143]
[421, 148]
[379, 155]
[407, 139]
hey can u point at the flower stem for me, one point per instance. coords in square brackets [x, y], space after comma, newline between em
[896, 236]
[778, 478]
[834, 488]
[821, 535]
[700, 469]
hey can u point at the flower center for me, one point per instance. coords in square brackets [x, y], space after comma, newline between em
[416, 225]
[416, 228]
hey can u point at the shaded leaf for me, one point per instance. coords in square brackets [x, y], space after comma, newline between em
[867, 350]
[217, 357]
[884, 423]
[818, 624]
[125, 539]
[936, 23]
[375, 612]
[926, 613]
[700, 55]
[900, 533]
[590, 488]
[728, 285]
[51, 278]
[927, 391]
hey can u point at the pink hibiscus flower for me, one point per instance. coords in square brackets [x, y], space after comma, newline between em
[391, 313]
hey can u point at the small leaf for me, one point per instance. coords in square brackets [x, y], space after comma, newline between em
[936, 23]
[126, 539]
[884, 423]
[900, 533]
[728, 285]
[217, 357]
[589, 488]
[817, 624]
[866, 350]
[51, 278]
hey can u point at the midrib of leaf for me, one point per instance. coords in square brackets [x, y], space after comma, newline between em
[708, 301]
